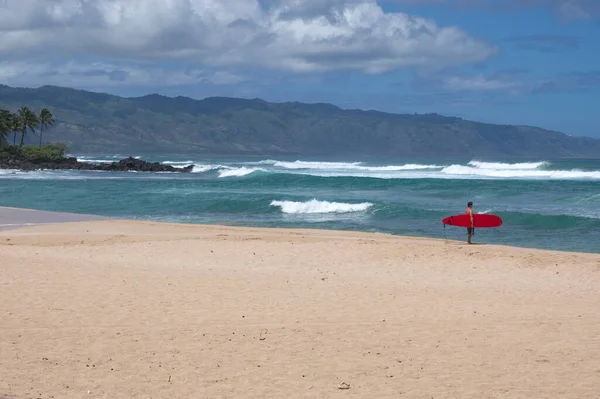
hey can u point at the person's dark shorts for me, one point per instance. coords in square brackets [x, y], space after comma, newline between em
[470, 230]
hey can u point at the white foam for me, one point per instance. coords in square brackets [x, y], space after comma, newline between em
[263, 162]
[408, 166]
[178, 162]
[195, 169]
[203, 168]
[474, 169]
[107, 159]
[315, 206]
[227, 171]
[347, 166]
[86, 160]
[505, 166]
[316, 165]
[238, 172]
[460, 170]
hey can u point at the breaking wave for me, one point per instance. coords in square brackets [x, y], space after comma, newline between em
[237, 172]
[347, 166]
[474, 169]
[315, 206]
[529, 173]
[507, 166]
[103, 159]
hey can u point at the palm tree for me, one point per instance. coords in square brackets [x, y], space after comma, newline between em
[15, 126]
[46, 120]
[5, 125]
[28, 120]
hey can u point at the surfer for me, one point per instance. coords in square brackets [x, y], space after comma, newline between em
[470, 230]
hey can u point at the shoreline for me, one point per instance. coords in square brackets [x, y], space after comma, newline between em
[343, 196]
[35, 217]
[15, 218]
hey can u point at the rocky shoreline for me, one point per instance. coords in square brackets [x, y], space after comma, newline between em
[129, 164]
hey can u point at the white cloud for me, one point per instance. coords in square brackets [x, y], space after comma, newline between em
[299, 36]
[100, 74]
[577, 9]
[514, 82]
[509, 81]
[479, 83]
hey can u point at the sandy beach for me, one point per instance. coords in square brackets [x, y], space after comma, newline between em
[124, 309]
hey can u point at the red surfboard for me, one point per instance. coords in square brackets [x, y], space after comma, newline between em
[481, 220]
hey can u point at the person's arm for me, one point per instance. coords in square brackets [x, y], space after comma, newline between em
[472, 219]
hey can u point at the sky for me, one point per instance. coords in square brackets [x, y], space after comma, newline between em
[532, 62]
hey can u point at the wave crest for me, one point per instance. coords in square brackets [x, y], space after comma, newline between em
[460, 170]
[238, 172]
[346, 166]
[472, 170]
[316, 206]
[508, 166]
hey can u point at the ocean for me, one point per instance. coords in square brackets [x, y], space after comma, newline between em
[549, 204]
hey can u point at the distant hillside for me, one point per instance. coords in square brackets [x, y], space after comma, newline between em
[93, 122]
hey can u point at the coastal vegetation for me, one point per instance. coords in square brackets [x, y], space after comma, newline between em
[19, 124]
[23, 156]
[45, 153]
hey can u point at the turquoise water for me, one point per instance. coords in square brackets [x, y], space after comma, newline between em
[552, 204]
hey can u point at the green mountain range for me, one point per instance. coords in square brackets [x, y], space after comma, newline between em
[95, 122]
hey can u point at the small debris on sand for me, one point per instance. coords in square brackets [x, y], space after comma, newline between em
[263, 334]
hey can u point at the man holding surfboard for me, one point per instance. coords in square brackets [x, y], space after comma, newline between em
[469, 219]
[470, 230]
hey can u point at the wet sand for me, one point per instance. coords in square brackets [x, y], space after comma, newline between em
[12, 218]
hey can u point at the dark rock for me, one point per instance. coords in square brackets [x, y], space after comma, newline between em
[71, 163]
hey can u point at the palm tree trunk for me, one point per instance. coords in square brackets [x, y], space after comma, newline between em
[23, 136]
[41, 132]
[15, 137]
